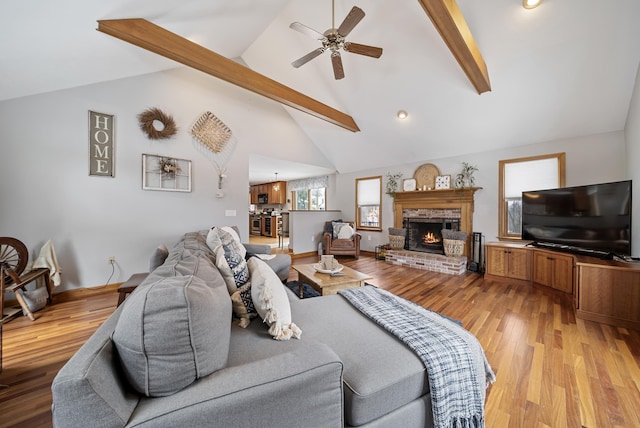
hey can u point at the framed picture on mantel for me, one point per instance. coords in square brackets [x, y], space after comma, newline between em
[409, 184]
[443, 182]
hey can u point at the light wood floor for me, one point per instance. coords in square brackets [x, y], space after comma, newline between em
[552, 370]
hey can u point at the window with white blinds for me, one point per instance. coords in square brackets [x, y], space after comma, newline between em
[368, 199]
[521, 175]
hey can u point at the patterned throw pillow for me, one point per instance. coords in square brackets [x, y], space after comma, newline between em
[243, 306]
[230, 259]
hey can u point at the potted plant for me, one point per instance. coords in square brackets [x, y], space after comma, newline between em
[393, 181]
[465, 177]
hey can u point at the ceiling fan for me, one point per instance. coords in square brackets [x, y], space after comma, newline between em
[334, 39]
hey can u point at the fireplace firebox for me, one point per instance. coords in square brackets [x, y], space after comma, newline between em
[425, 234]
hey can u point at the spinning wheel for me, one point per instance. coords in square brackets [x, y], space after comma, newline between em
[13, 259]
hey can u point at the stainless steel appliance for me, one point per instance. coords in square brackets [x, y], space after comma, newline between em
[256, 225]
[267, 225]
[263, 198]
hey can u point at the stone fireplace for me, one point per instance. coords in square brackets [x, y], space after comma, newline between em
[430, 211]
[425, 233]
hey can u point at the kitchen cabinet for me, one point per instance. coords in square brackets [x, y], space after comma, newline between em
[553, 269]
[508, 261]
[277, 192]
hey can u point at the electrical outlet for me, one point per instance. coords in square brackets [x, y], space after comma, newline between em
[111, 260]
[369, 237]
[313, 238]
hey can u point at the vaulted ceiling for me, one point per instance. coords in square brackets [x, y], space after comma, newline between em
[562, 70]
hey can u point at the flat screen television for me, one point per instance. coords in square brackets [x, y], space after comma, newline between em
[593, 219]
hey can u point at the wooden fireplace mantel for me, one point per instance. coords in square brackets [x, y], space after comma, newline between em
[442, 198]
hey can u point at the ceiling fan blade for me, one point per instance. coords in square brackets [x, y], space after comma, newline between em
[336, 61]
[351, 21]
[308, 57]
[306, 30]
[357, 48]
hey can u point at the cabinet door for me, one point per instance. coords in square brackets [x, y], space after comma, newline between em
[563, 273]
[519, 263]
[553, 270]
[612, 295]
[496, 260]
[542, 269]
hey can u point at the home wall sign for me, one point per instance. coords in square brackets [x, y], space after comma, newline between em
[101, 144]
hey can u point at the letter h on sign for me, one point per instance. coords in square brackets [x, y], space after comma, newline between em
[101, 156]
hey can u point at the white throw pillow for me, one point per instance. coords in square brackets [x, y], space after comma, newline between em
[342, 231]
[271, 301]
[346, 232]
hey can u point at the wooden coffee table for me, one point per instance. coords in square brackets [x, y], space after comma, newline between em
[326, 284]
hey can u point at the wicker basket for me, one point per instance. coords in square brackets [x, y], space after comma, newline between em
[453, 248]
[396, 242]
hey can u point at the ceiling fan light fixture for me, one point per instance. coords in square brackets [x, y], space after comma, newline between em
[402, 114]
[531, 4]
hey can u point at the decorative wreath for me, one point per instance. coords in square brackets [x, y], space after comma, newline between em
[147, 119]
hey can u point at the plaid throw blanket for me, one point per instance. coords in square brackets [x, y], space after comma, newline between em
[456, 365]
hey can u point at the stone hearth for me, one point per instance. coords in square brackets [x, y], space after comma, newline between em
[427, 261]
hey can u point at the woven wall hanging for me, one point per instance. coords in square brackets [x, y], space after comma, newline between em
[215, 140]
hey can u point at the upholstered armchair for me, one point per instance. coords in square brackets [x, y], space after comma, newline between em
[341, 239]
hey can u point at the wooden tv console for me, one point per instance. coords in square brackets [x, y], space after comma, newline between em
[605, 291]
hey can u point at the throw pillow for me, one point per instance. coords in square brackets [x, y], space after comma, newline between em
[229, 253]
[214, 240]
[172, 332]
[339, 233]
[158, 257]
[243, 306]
[345, 232]
[271, 301]
[328, 227]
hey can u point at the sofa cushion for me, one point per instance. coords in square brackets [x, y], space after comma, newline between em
[158, 257]
[172, 332]
[271, 301]
[381, 374]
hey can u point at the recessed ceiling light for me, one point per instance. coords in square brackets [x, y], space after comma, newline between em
[531, 4]
[402, 114]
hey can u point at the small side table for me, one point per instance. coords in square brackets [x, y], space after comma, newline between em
[130, 285]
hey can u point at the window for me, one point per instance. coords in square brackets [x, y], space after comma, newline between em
[311, 199]
[520, 175]
[368, 197]
[309, 193]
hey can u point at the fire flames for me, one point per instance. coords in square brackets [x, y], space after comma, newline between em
[430, 238]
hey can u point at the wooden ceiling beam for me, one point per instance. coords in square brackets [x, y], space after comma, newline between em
[156, 39]
[455, 32]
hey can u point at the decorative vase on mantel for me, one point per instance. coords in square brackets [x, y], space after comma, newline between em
[465, 178]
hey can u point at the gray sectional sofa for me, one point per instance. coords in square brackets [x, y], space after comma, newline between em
[207, 371]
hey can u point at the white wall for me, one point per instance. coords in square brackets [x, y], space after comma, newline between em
[47, 193]
[592, 159]
[632, 137]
